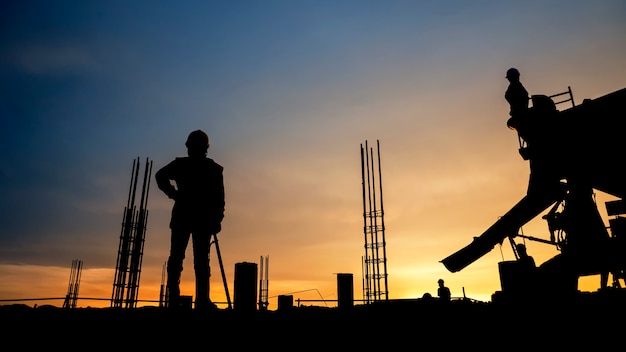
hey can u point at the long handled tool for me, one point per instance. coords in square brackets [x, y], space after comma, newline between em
[219, 257]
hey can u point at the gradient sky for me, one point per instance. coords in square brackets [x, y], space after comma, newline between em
[287, 91]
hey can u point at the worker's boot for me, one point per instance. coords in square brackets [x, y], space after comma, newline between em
[202, 294]
[173, 297]
[203, 283]
[173, 287]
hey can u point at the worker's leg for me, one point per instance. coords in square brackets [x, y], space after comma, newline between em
[201, 243]
[178, 245]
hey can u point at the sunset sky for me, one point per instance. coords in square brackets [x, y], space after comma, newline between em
[287, 91]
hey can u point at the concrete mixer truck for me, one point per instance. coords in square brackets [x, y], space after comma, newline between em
[572, 153]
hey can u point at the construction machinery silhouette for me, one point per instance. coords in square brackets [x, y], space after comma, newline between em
[572, 153]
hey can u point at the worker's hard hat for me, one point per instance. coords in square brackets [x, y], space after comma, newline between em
[197, 139]
[512, 72]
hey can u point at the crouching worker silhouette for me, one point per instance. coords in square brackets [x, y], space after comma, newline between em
[198, 211]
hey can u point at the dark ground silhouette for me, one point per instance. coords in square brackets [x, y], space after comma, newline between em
[388, 325]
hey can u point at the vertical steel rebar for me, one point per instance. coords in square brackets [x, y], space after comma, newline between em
[132, 239]
[373, 227]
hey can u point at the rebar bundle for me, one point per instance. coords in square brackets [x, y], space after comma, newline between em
[132, 238]
[374, 277]
[72, 289]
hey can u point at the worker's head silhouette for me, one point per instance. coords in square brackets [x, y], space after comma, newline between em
[512, 73]
[197, 143]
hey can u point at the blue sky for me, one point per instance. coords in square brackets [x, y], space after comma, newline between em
[287, 91]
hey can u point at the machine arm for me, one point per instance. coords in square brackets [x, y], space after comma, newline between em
[508, 225]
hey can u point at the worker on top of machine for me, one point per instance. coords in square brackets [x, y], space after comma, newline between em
[516, 95]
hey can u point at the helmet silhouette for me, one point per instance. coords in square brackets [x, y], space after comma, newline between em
[512, 72]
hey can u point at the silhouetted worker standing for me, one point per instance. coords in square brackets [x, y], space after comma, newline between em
[443, 292]
[516, 95]
[197, 212]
